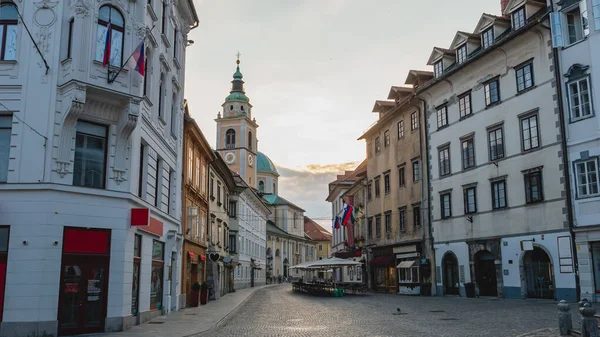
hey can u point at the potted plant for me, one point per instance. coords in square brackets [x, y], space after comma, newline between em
[470, 289]
[203, 293]
[195, 294]
[426, 289]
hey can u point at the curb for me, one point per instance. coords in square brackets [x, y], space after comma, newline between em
[231, 311]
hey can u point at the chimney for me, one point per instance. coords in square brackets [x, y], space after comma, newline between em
[503, 4]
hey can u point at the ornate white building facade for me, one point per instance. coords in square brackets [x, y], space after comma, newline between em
[90, 190]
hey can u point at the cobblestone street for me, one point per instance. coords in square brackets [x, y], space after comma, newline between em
[280, 312]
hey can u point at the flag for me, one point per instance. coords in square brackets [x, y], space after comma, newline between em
[136, 61]
[336, 225]
[106, 59]
[347, 215]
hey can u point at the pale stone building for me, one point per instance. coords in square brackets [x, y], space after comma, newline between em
[576, 32]
[498, 194]
[90, 164]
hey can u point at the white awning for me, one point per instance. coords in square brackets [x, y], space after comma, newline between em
[405, 264]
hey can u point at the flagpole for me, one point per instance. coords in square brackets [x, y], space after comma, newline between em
[124, 63]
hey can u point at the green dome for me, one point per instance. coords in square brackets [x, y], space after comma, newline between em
[264, 164]
[237, 96]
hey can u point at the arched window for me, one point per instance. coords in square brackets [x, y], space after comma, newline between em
[110, 14]
[250, 140]
[277, 253]
[230, 139]
[261, 186]
[8, 25]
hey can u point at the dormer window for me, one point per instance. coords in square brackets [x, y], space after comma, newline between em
[461, 54]
[518, 18]
[438, 69]
[487, 38]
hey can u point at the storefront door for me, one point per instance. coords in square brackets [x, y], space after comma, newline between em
[82, 304]
[83, 290]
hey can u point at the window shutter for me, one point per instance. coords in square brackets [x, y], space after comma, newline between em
[584, 18]
[596, 11]
[557, 29]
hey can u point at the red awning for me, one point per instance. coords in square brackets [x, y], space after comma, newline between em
[383, 261]
[191, 254]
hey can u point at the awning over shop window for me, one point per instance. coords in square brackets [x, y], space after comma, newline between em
[383, 261]
[405, 264]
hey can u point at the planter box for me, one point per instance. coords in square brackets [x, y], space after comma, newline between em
[203, 296]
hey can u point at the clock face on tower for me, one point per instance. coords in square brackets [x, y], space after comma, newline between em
[229, 157]
[250, 160]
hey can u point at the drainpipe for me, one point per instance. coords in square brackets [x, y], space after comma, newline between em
[565, 161]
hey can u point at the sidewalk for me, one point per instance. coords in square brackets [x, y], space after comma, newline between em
[189, 321]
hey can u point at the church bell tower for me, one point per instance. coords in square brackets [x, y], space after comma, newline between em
[236, 131]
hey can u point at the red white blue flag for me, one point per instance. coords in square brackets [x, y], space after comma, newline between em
[106, 59]
[347, 215]
[336, 225]
[137, 61]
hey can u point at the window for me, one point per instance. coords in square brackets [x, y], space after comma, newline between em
[461, 54]
[219, 193]
[416, 170]
[212, 186]
[90, 155]
[416, 216]
[230, 139]
[442, 117]
[369, 194]
[470, 199]
[596, 11]
[141, 171]
[175, 43]
[414, 121]
[533, 186]
[445, 205]
[386, 138]
[402, 219]
[110, 14]
[146, 74]
[388, 222]
[518, 18]
[386, 183]
[575, 25]
[401, 177]
[135, 283]
[370, 228]
[261, 186]
[69, 38]
[409, 274]
[499, 194]
[492, 92]
[444, 157]
[580, 104]
[197, 169]
[438, 69]
[378, 226]
[5, 132]
[377, 188]
[400, 129]
[156, 277]
[587, 178]
[250, 140]
[530, 133]
[8, 26]
[157, 182]
[464, 105]
[170, 177]
[524, 77]
[174, 105]
[377, 146]
[468, 153]
[160, 96]
[320, 247]
[487, 38]
[496, 143]
[164, 18]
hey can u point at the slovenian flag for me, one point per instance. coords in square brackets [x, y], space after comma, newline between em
[136, 61]
[348, 214]
[106, 58]
[336, 225]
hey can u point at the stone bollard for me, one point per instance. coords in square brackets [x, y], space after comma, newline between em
[565, 321]
[589, 323]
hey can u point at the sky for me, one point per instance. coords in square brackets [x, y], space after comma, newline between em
[313, 70]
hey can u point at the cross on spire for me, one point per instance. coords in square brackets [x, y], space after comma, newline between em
[238, 57]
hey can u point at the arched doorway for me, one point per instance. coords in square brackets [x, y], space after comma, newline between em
[485, 273]
[539, 278]
[450, 274]
[286, 265]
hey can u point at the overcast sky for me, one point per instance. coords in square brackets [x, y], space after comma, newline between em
[313, 70]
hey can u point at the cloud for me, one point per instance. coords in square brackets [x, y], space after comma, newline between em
[307, 187]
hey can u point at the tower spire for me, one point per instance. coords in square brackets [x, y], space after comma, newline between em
[237, 85]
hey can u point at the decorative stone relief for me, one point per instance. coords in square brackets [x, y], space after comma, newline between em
[73, 107]
[44, 37]
[140, 29]
[103, 112]
[127, 124]
[81, 8]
